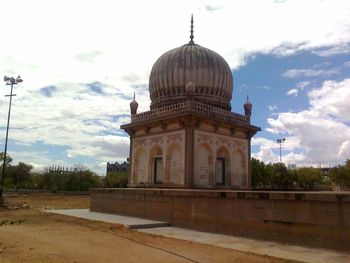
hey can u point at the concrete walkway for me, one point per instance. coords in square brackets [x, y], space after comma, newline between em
[253, 246]
[126, 221]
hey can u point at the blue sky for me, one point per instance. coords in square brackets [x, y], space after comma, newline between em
[291, 57]
[283, 86]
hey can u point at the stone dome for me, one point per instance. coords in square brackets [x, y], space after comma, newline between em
[206, 71]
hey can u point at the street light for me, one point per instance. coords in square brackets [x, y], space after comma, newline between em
[280, 141]
[9, 81]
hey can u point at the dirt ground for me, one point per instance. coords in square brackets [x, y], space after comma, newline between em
[29, 235]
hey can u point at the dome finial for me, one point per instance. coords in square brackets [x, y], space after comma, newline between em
[191, 36]
[134, 95]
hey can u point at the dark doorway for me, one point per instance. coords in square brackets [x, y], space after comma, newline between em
[220, 171]
[158, 170]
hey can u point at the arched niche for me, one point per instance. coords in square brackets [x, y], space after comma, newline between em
[203, 165]
[175, 164]
[222, 167]
[140, 166]
[156, 164]
[238, 168]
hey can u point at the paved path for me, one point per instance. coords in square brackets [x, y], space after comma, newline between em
[274, 249]
[126, 221]
[253, 246]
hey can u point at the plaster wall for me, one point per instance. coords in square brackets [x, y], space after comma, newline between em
[169, 146]
[208, 147]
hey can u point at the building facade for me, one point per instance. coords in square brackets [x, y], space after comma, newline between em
[117, 167]
[190, 138]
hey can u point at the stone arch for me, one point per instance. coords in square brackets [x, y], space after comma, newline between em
[156, 165]
[222, 167]
[175, 164]
[203, 166]
[140, 174]
[238, 168]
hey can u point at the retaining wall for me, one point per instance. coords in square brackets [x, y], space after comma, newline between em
[305, 218]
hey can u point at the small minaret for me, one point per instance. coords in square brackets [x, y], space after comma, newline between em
[248, 109]
[133, 107]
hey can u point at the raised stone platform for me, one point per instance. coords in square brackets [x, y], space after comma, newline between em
[126, 221]
[310, 218]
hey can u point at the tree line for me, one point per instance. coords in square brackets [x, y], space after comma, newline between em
[55, 178]
[271, 176]
[276, 176]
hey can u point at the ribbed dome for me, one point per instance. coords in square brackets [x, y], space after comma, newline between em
[206, 70]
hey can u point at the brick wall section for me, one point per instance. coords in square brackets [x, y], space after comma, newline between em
[305, 218]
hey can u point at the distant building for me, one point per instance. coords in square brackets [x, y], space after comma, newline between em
[118, 168]
[292, 166]
[325, 170]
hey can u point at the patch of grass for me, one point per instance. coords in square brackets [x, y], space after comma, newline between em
[5, 222]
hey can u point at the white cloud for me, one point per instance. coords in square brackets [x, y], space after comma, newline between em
[292, 92]
[266, 155]
[332, 99]
[333, 50]
[264, 87]
[297, 73]
[272, 107]
[298, 87]
[344, 151]
[303, 84]
[268, 150]
[67, 44]
[321, 136]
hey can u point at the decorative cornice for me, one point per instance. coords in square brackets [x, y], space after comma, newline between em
[191, 108]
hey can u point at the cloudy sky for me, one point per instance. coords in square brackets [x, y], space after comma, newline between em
[81, 61]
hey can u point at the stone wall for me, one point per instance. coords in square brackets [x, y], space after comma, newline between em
[303, 218]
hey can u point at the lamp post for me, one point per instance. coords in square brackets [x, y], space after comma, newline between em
[9, 81]
[280, 141]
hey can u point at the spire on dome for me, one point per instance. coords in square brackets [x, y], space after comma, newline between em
[191, 36]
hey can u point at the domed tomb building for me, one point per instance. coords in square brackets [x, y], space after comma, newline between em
[190, 138]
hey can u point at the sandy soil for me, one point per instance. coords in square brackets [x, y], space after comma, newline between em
[29, 235]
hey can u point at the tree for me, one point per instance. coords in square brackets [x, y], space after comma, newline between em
[260, 178]
[8, 160]
[20, 175]
[271, 176]
[341, 175]
[115, 180]
[77, 178]
[281, 177]
[308, 177]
